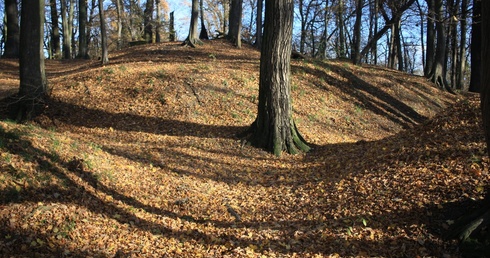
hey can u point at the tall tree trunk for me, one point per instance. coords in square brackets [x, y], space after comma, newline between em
[82, 29]
[55, 31]
[274, 128]
[103, 34]
[398, 43]
[422, 45]
[452, 9]
[356, 48]
[148, 21]
[65, 22]
[483, 9]
[438, 72]
[472, 228]
[392, 48]
[119, 11]
[192, 39]
[324, 42]
[258, 24]
[461, 67]
[235, 18]
[476, 33]
[371, 5]
[33, 84]
[158, 27]
[204, 32]
[303, 17]
[431, 38]
[340, 25]
[171, 34]
[13, 32]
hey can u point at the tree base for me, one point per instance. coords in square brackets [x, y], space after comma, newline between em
[292, 144]
[192, 42]
[24, 109]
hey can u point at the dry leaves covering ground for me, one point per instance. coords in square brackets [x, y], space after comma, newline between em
[140, 158]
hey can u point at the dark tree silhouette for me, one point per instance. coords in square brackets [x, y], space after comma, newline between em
[12, 42]
[472, 228]
[55, 31]
[475, 83]
[33, 85]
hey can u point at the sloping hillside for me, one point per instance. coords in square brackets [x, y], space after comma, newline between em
[140, 158]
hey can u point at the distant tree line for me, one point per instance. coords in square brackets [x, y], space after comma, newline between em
[430, 37]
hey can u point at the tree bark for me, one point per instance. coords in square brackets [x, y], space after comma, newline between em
[235, 18]
[103, 34]
[340, 25]
[55, 31]
[476, 34]
[472, 228]
[431, 38]
[67, 30]
[258, 24]
[33, 84]
[158, 27]
[461, 67]
[13, 32]
[82, 29]
[356, 48]
[171, 34]
[274, 128]
[204, 32]
[192, 39]
[438, 72]
[119, 11]
[147, 21]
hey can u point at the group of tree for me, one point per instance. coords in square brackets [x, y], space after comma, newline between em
[274, 128]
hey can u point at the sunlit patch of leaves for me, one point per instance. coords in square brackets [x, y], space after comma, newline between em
[150, 165]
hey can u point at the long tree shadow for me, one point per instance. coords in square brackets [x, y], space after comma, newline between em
[369, 96]
[292, 236]
[92, 118]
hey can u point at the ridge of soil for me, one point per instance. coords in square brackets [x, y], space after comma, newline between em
[140, 158]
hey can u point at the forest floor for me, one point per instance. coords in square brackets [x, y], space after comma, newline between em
[140, 158]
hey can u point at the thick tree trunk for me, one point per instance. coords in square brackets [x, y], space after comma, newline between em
[356, 48]
[274, 128]
[235, 18]
[258, 24]
[33, 84]
[461, 66]
[82, 29]
[476, 33]
[119, 11]
[204, 32]
[158, 27]
[103, 34]
[472, 228]
[171, 34]
[65, 22]
[55, 31]
[431, 38]
[13, 32]
[340, 25]
[148, 21]
[438, 72]
[192, 39]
